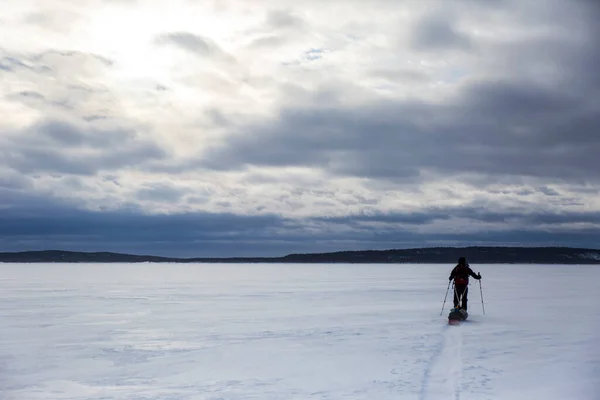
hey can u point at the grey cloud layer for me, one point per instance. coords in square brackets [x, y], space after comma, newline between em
[39, 224]
[521, 118]
[497, 128]
[58, 81]
[82, 148]
[80, 129]
[435, 32]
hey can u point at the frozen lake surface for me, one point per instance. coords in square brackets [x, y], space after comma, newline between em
[253, 331]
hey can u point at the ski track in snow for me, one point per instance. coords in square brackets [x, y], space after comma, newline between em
[443, 375]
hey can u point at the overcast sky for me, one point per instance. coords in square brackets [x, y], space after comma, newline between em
[251, 127]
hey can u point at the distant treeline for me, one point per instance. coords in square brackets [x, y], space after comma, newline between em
[431, 255]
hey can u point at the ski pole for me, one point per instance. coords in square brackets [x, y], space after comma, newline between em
[445, 297]
[481, 292]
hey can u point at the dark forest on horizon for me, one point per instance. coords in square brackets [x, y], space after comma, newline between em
[429, 255]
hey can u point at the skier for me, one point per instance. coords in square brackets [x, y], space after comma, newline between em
[460, 274]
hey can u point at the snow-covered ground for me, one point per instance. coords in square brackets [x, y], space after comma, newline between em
[372, 332]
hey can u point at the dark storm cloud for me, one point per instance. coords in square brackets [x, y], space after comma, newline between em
[525, 118]
[343, 141]
[492, 127]
[399, 140]
[518, 99]
[67, 134]
[30, 222]
[587, 238]
[470, 213]
[65, 147]
[122, 225]
[408, 218]
[435, 32]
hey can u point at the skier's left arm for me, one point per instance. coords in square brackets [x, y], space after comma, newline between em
[473, 274]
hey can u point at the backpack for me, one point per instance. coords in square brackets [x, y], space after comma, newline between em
[461, 275]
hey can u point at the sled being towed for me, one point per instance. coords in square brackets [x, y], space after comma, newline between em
[457, 315]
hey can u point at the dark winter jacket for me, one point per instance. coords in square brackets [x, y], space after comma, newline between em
[461, 273]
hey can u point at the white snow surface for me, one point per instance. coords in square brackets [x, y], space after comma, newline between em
[260, 331]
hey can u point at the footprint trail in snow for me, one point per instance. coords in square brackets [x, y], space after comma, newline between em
[443, 376]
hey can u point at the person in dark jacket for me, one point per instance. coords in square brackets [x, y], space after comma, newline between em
[460, 274]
